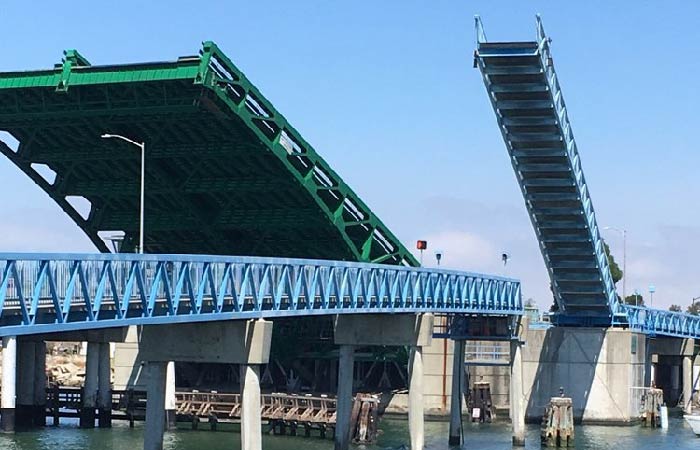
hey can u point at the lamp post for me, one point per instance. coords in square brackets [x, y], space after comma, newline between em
[142, 146]
[652, 289]
[624, 259]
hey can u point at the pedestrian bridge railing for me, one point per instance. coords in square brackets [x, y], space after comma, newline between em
[662, 323]
[43, 293]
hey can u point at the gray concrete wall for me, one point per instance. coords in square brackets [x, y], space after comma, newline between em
[596, 367]
[499, 377]
[129, 370]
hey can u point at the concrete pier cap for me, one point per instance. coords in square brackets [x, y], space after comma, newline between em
[381, 329]
[246, 343]
[228, 342]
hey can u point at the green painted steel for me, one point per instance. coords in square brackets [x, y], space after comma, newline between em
[225, 172]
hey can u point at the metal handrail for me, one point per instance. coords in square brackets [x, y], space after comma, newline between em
[55, 292]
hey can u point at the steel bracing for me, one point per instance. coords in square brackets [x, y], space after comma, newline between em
[225, 172]
[657, 322]
[526, 96]
[44, 293]
[524, 90]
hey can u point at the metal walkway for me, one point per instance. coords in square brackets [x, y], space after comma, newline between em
[525, 94]
[47, 293]
[532, 116]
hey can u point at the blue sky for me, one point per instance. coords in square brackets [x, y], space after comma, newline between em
[386, 92]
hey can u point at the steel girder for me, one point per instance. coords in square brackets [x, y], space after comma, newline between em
[43, 293]
[225, 172]
[526, 96]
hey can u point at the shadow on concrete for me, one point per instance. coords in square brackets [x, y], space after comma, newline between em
[567, 360]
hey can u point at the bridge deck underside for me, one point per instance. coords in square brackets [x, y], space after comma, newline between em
[532, 117]
[225, 173]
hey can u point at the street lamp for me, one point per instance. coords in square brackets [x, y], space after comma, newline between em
[142, 146]
[652, 289]
[624, 259]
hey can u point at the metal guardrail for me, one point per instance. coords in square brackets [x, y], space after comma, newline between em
[487, 354]
[533, 119]
[42, 293]
[662, 323]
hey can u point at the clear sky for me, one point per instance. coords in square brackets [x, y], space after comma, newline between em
[386, 92]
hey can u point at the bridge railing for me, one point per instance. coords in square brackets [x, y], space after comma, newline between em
[661, 322]
[53, 292]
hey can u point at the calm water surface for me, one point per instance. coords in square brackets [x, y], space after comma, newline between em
[394, 434]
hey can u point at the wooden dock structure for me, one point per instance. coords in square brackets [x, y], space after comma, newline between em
[284, 413]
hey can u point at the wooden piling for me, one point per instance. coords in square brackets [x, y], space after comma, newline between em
[558, 423]
[480, 403]
[652, 400]
[364, 419]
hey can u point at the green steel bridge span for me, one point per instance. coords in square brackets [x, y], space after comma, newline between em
[226, 173]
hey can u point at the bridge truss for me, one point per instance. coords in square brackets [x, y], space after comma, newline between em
[526, 96]
[62, 292]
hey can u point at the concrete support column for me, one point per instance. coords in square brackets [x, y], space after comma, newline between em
[456, 436]
[155, 406]
[647, 362]
[251, 429]
[9, 378]
[170, 403]
[517, 403]
[104, 390]
[346, 365]
[39, 415]
[90, 385]
[687, 384]
[25, 385]
[416, 425]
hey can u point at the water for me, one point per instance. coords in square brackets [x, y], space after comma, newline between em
[679, 436]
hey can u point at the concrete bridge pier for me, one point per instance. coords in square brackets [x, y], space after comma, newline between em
[40, 384]
[416, 422]
[155, 406]
[251, 428]
[673, 358]
[9, 378]
[456, 431]
[517, 399]
[170, 416]
[362, 330]
[90, 385]
[688, 384]
[346, 364]
[104, 388]
[246, 343]
[25, 384]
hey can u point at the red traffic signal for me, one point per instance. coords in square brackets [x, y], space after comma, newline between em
[422, 245]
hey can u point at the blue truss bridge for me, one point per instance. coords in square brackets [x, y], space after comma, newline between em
[533, 119]
[526, 96]
[62, 292]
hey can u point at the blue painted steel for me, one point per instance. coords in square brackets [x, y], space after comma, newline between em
[44, 293]
[525, 94]
[662, 323]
